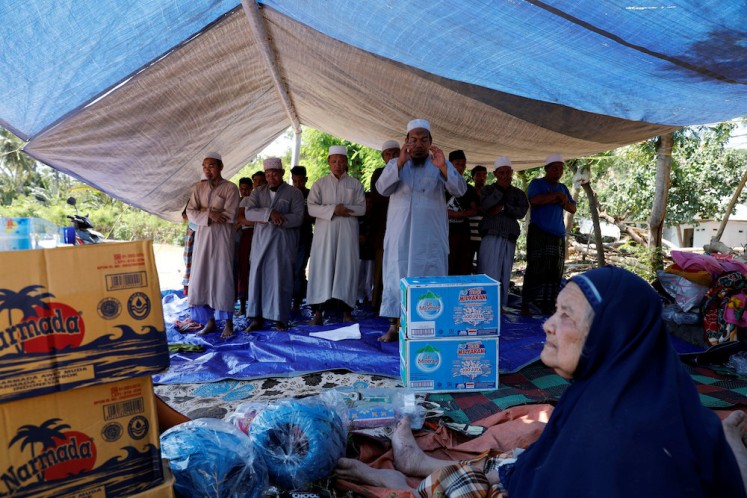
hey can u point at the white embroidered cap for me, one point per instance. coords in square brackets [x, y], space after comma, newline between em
[213, 155]
[338, 149]
[501, 161]
[554, 158]
[418, 123]
[390, 144]
[272, 163]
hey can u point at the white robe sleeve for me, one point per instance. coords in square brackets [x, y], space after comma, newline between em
[455, 183]
[314, 201]
[195, 214]
[358, 207]
[389, 180]
[231, 206]
[253, 211]
[294, 218]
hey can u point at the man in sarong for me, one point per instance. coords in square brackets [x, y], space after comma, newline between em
[546, 239]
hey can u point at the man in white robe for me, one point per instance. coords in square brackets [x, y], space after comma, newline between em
[335, 200]
[212, 207]
[416, 243]
[278, 210]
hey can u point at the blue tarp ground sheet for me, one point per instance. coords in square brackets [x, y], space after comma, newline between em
[269, 353]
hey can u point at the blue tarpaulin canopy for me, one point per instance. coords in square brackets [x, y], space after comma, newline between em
[128, 96]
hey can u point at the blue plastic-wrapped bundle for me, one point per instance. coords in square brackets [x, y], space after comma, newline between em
[300, 441]
[212, 458]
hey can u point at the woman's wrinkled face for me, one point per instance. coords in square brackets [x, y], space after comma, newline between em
[566, 331]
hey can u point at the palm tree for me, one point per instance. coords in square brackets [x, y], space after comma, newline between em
[45, 434]
[23, 301]
[18, 171]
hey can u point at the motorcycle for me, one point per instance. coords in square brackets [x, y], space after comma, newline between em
[84, 232]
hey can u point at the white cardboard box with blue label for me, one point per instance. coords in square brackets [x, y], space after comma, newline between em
[454, 364]
[452, 306]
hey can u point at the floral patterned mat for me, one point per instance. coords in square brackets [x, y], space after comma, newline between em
[218, 399]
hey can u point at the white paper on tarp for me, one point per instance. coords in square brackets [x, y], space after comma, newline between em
[349, 332]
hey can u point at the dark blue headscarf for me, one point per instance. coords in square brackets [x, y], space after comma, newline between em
[631, 423]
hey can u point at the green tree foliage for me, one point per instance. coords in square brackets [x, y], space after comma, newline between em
[362, 161]
[19, 174]
[704, 175]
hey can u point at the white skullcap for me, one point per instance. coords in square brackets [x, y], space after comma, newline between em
[213, 155]
[501, 161]
[554, 158]
[390, 144]
[418, 123]
[338, 149]
[273, 163]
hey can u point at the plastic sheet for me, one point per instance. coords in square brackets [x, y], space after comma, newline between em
[381, 407]
[299, 440]
[174, 307]
[738, 362]
[687, 294]
[673, 313]
[269, 353]
[212, 458]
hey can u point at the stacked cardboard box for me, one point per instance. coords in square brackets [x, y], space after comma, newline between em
[81, 331]
[449, 333]
[27, 233]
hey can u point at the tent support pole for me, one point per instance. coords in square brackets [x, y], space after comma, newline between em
[296, 148]
[264, 42]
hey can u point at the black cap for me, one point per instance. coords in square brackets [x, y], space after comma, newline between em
[457, 154]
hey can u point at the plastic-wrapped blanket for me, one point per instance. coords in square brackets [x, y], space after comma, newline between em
[213, 459]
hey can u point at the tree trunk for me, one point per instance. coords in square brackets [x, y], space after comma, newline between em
[659, 209]
[524, 185]
[732, 202]
[568, 221]
[595, 219]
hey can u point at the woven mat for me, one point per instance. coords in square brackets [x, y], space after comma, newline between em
[539, 384]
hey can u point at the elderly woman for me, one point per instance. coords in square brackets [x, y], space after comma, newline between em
[630, 423]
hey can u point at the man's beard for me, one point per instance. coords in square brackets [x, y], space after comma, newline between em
[419, 161]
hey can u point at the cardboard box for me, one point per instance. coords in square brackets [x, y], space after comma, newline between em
[96, 442]
[27, 233]
[456, 364]
[450, 306]
[163, 490]
[77, 316]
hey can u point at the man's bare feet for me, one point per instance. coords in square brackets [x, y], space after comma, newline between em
[281, 326]
[347, 317]
[318, 319]
[391, 335]
[227, 330]
[357, 471]
[408, 457]
[734, 431]
[209, 327]
[255, 325]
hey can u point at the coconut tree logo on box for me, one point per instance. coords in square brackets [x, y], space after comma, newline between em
[36, 325]
[54, 453]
